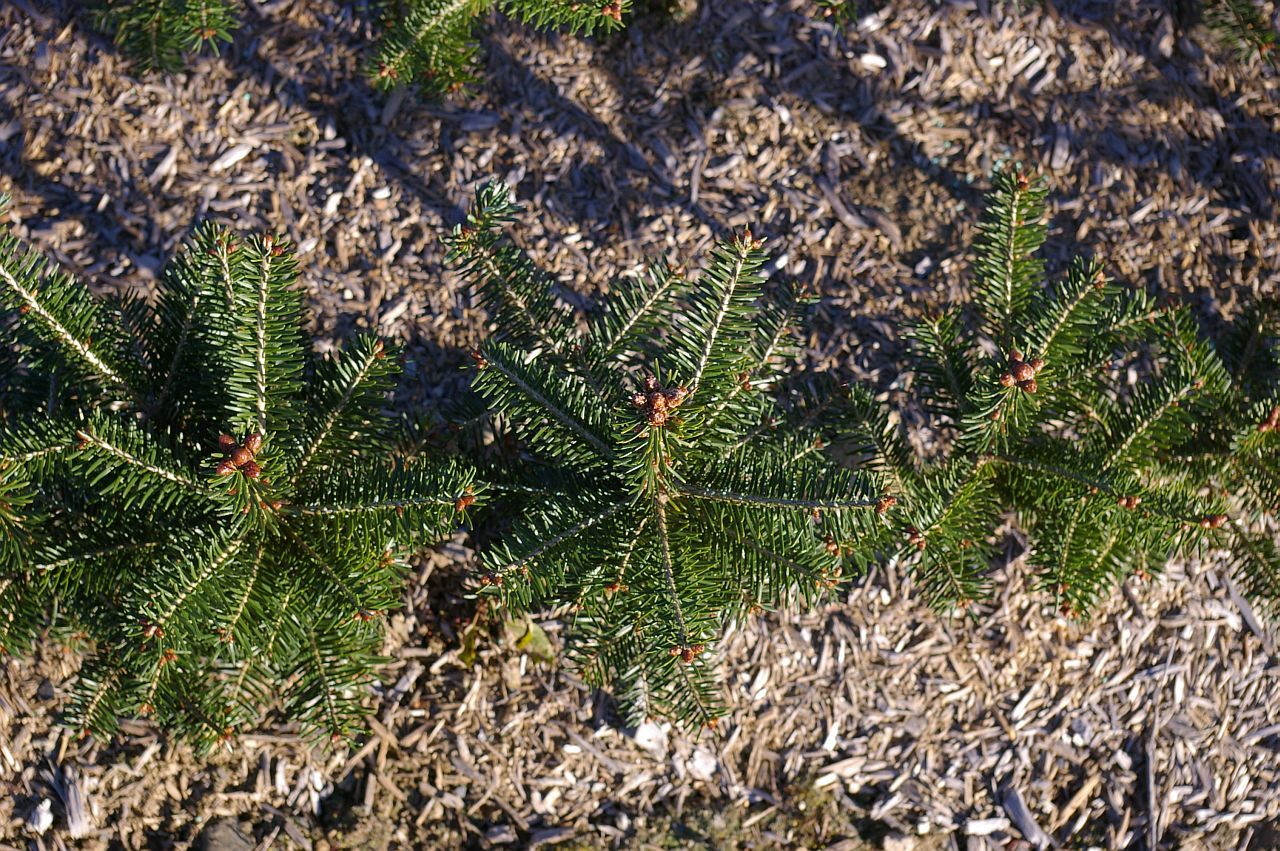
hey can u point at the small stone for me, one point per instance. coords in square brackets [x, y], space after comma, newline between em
[651, 737]
[500, 834]
[40, 819]
[985, 826]
[222, 834]
[899, 842]
[703, 764]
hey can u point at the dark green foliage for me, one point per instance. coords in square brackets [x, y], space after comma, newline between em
[1113, 431]
[667, 486]
[157, 34]
[431, 43]
[1241, 26]
[211, 502]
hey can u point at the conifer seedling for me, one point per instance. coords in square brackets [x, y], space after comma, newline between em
[158, 34]
[211, 503]
[1108, 425]
[430, 44]
[664, 490]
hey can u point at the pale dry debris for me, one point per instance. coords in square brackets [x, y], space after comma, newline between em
[1163, 162]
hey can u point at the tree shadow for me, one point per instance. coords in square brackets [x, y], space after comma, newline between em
[671, 109]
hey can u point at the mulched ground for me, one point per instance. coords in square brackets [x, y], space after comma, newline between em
[861, 156]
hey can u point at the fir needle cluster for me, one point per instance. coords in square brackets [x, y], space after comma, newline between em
[224, 515]
[665, 485]
[1108, 477]
[216, 508]
[429, 44]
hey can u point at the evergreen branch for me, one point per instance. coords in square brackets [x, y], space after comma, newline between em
[330, 704]
[98, 695]
[1006, 267]
[90, 437]
[18, 458]
[633, 309]
[705, 713]
[428, 37]
[549, 544]
[314, 558]
[668, 569]
[1148, 422]
[29, 303]
[371, 507]
[273, 635]
[348, 389]
[238, 612]
[762, 501]
[728, 282]
[179, 350]
[221, 556]
[101, 553]
[498, 360]
[260, 350]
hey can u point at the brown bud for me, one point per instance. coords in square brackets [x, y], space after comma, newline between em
[253, 443]
[226, 442]
[1007, 380]
[465, 501]
[481, 361]
[1037, 364]
[1015, 355]
[241, 456]
[225, 468]
[1029, 385]
[251, 469]
[885, 503]
[1023, 372]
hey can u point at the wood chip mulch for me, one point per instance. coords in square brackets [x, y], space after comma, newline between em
[862, 157]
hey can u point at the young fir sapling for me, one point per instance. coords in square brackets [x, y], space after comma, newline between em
[158, 34]
[214, 505]
[430, 44]
[1107, 477]
[664, 491]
